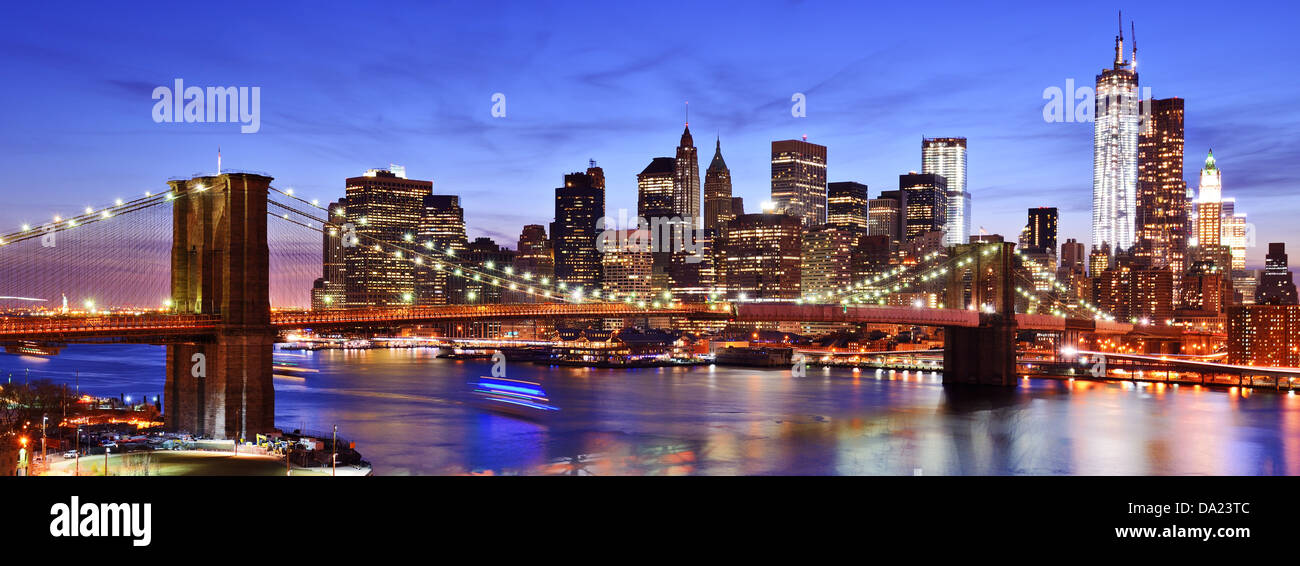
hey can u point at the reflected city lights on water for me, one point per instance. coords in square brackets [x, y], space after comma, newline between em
[412, 413]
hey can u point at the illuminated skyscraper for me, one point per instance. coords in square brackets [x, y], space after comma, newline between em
[1115, 152]
[579, 205]
[717, 192]
[385, 210]
[925, 206]
[686, 179]
[799, 180]
[760, 255]
[534, 255]
[442, 233]
[1041, 230]
[328, 291]
[628, 266]
[847, 205]
[1276, 286]
[655, 185]
[828, 254]
[947, 157]
[1264, 335]
[1209, 206]
[1161, 191]
[885, 216]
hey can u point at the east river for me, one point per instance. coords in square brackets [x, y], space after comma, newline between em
[410, 413]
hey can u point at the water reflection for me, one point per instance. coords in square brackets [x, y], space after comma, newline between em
[411, 414]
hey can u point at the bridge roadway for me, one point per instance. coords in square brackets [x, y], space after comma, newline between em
[169, 326]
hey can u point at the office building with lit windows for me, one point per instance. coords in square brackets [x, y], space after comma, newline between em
[441, 235]
[628, 266]
[686, 179]
[828, 259]
[885, 215]
[329, 291]
[760, 257]
[847, 205]
[1115, 152]
[799, 181]
[1276, 285]
[579, 206]
[925, 206]
[1264, 335]
[947, 157]
[385, 209]
[655, 186]
[717, 192]
[1162, 212]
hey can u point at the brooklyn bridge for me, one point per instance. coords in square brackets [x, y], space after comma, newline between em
[219, 327]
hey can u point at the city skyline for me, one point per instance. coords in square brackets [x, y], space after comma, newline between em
[1000, 174]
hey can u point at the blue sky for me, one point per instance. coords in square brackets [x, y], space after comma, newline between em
[348, 87]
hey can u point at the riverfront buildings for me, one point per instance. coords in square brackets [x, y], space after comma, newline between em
[655, 186]
[799, 180]
[1264, 335]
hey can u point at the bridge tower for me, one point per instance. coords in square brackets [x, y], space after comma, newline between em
[985, 355]
[222, 386]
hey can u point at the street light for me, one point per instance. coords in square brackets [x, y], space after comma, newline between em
[334, 452]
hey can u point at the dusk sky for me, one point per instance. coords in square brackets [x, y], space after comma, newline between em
[364, 85]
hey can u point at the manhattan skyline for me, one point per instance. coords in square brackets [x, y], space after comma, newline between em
[424, 102]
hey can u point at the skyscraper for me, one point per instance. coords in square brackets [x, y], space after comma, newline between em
[1276, 286]
[828, 254]
[1041, 230]
[717, 192]
[442, 233]
[1162, 219]
[579, 205]
[534, 255]
[655, 185]
[847, 205]
[947, 157]
[885, 215]
[925, 206]
[686, 179]
[1115, 152]
[760, 255]
[1209, 206]
[385, 210]
[628, 267]
[799, 180]
[329, 290]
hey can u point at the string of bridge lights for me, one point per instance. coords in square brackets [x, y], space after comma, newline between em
[1096, 312]
[92, 214]
[923, 274]
[503, 277]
